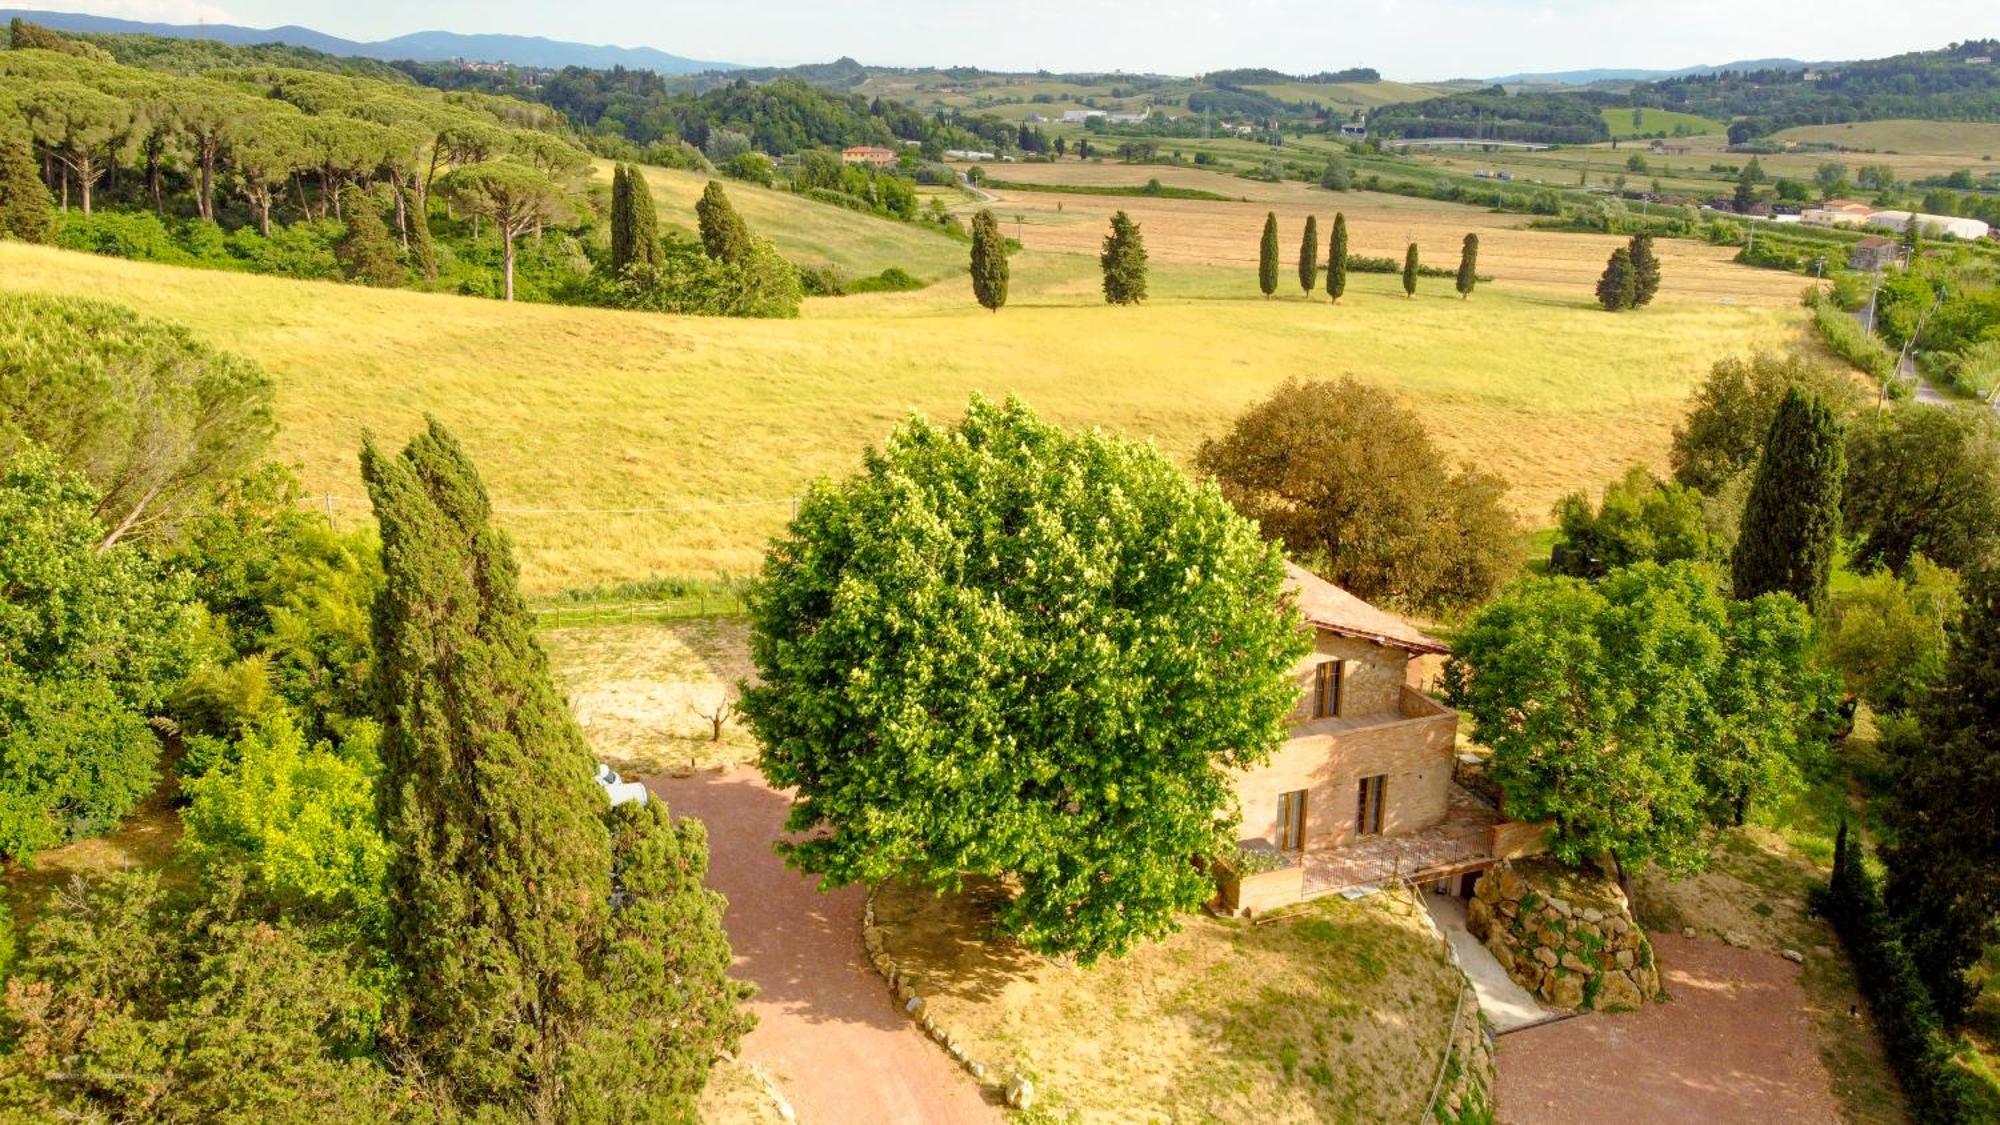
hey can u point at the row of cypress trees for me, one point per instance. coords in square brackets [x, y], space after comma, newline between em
[1123, 259]
[1336, 260]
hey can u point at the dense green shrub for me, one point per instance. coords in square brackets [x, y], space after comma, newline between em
[1845, 337]
[1904, 1013]
[895, 279]
[758, 283]
[91, 645]
[1640, 519]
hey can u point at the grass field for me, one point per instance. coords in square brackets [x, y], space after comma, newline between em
[1658, 121]
[1978, 141]
[1355, 95]
[859, 244]
[579, 416]
[1338, 1013]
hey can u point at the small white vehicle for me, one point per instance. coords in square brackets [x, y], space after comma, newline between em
[619, 790]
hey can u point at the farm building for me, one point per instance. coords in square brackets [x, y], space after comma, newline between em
[1838, 212]
[868, 154]
[1935, 226]
[1363, 791]
[1874, 254]
[1662, 148]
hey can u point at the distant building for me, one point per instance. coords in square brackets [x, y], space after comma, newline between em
[1980, 60]
[1354, 131]
[868, 154]
[1933, 225]
[967, 154]
[1662, 148]
[1838, 213]
[1874, 254]
[1079, 116]
[1129, 118]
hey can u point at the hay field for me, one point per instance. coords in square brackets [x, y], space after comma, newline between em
[574, 414]
[1972, 139]
[1652, 120]
[1201, 232]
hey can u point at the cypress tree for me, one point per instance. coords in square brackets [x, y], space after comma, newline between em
[1124, 262]
[1645, 270]
[365, 251]
[1309, 256]
[423, 252]
[1410, 271]
[1619, 285]
[1468, 266]
[525, 990]
[621, 219]
[1336, 258]
[644, 223]
[1912, 240]
[723, 233]
[989, 260]
[1267, 255]
[1791, 518]
[500, 868]
[25, 203]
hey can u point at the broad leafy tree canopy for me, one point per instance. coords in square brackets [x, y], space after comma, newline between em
[1008, 650]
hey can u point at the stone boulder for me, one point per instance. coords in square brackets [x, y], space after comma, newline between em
[1569, 937]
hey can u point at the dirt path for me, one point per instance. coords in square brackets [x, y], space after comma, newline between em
[1733, 1045]
[827, 1030]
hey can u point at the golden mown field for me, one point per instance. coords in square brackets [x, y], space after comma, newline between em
[577, 416]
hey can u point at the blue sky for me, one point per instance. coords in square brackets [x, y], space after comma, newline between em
[1406, 39]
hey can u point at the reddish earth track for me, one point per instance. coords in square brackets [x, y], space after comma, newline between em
[1733, 1045]
[827, 1030]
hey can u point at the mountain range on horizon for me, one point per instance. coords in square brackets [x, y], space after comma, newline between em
[538, 51]
[420, 46]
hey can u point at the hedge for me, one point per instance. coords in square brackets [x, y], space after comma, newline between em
[1918, 1048]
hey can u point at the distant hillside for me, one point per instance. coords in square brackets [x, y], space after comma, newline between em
[1958, 83]
[422, 46]
[1591, 77]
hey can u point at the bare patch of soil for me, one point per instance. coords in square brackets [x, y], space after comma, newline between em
[645, 692]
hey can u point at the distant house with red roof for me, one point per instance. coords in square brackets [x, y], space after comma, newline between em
[868, 154]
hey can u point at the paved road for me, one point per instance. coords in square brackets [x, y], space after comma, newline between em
[1733, 1046]
[828, 1032]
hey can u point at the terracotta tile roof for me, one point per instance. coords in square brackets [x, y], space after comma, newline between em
[1332, 608]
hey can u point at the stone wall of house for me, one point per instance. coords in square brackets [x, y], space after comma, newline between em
[1329, 757]
[1567, 937]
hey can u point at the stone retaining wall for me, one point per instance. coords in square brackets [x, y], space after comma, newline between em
[1016, 1090]
[1466, 1096]
[1570, 939]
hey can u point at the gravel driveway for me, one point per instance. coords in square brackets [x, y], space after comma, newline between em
[827, 1030]
[1732, 1045]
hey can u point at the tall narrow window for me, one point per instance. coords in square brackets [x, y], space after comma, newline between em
[1326, 688]
[1292, 820]
[1374, 791]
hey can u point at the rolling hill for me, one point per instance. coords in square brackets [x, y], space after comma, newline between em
[421, 46]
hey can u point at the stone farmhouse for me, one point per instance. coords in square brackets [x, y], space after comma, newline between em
[1365, 789]
[874, 155]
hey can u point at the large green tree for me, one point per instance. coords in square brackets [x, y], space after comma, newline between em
[635, 225]
[1267, 255]
[1011, 651]
[527, 986]
[1944, 861]
[724, 235]
[516, 198]
[150, 416]
[1791, 518]
[78, 127]
[1645, 270]
[1724, 431]
[1410, 267]
[1636, 712]
[1124, 262]
[989, 261]
[25, 201]
[1640, 519]
[1309, 256]
[1886, 635]
[365, 250]
[1618, 287]
[1468, 267]
[1348, 479]
[1336, 258]
[1924, 479]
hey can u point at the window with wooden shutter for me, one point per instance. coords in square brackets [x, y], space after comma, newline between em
[1326, 688]
[1292, 820]
[1373, 793]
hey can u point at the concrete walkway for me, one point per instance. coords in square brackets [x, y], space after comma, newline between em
[1507, 1005]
